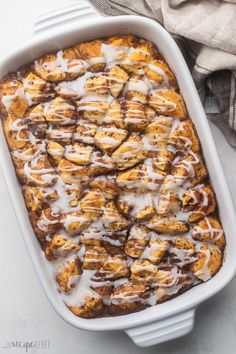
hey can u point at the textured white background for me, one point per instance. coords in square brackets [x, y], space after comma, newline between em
[25, 313]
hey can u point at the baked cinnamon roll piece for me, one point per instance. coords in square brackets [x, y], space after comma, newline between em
[36, 121]
[167, 225]
[126, 41]
[182, 252]
[156, 134]
[68, 276]
[109, 137]
[102, 164]
[36, 114]
[79, 154]
[128, 297]
[200, 171]
[61, 134]
[162, 159]
[184, 137]
[171, 282]
[85, 132]
[124, 207]
[209, 230]
[56, 152]
[156, 251]
[129, 153]
[36, 89]
[71, 90]
[200, 201]
[168, 103]
[45, 222]
[29, 152]
[72, 173]
[113, 268]
[94, 257]
[72, 63]
[102, 287]
[36, 196]
[33, 198]
[143, 272]
[16, 132]
[93, 235]
[91, 307]
[168, 202]
[137, 241]
[64, 65]
[38, 172]
[145, 213]
[112, 219]
[61, 112]
[117, 79]
[137, 89]
[91, 52]
[137, 60]
[115, 115]
[160, 74]
[137, 205]
[26, 147]
[208, 262]
[115, 242]
[92, 110]
[189, 169]
[74, 222]
[97, 85]
[130, 179]
[143, 177]
[93, 203]
[12, 98]
[106, 186]
[135, 116]
[60, 246]
[73, 194]
[46, 68]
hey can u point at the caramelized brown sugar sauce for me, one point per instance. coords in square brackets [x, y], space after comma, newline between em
[112, 175]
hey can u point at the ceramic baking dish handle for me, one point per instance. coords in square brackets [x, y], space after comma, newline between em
[163, 330]
[78, 10]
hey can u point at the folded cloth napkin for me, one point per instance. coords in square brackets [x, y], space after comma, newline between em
[206, 34]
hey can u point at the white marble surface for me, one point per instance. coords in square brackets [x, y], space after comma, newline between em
[25, 313]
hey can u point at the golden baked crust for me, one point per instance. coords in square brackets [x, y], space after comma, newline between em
[13, 99]
[60, 246]
[112, 175]
[65, 65]
[136, 241]
[168, 103]
[208, 262]
[67, 277]
[90, 308]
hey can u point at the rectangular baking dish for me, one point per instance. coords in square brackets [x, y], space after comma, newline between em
[79, 22]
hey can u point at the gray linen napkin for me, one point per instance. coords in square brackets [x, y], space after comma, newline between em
[206, 34]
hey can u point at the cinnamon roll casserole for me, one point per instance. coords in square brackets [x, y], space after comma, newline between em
[112, 175]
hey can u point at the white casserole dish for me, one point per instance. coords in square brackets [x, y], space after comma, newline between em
[79, 22]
